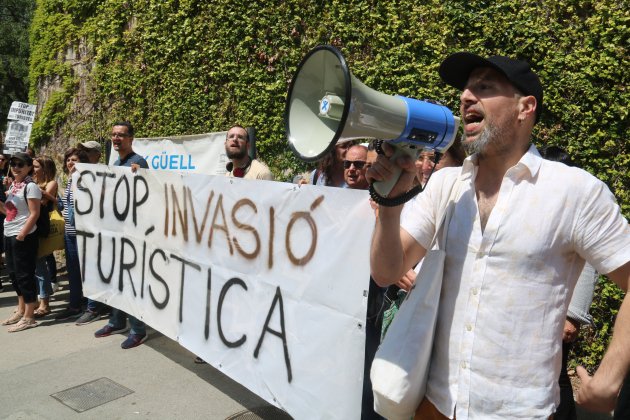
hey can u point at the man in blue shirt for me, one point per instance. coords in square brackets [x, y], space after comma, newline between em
[122, 139]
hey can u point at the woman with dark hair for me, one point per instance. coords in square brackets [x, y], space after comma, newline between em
[44, 175]
[20, 240]
[70, 158]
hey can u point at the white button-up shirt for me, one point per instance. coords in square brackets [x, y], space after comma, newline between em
[497, 350]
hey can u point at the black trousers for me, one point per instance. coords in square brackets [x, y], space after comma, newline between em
[622, 412]
[566, 410]
[21, 257]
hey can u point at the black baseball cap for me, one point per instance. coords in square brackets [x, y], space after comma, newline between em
[456, 69]
[24, 157]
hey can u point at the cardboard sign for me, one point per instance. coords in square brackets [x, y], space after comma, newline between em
[21, 111]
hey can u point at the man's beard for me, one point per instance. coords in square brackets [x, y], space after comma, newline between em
[236, 155]
[489, 135]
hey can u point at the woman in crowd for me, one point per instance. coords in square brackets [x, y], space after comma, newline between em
[44, 175]
[20, 240]
[4, 160]
[70, 158]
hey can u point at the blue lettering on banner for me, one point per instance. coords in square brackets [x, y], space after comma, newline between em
[165, 161]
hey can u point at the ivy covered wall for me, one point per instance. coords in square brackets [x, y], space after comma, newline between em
[176, 67]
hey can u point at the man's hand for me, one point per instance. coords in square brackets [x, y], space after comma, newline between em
[571, 330]
[407, 280]
[594, 395]
[384, 169]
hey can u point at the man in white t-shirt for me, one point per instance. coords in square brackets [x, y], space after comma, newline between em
[521, 230]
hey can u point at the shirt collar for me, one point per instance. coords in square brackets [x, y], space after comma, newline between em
[530, 161]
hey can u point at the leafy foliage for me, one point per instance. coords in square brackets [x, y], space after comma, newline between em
[15, 18]
[177, 67]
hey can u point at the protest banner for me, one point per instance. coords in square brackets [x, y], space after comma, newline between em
[266, 281]
[199, 153]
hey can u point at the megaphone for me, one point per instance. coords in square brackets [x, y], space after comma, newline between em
[326, 104]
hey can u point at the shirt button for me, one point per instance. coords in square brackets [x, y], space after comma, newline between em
[468, 327]
[475, 291]
[463, 365]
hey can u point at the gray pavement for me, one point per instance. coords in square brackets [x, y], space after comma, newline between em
[164, 381]
[161, 376]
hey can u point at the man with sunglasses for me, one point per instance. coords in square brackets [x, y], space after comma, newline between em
[521, 230]
[355, 166]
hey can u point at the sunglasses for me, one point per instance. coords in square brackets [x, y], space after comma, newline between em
[358, 164]
[17, 164]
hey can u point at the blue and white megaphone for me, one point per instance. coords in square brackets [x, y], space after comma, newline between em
[326, 104]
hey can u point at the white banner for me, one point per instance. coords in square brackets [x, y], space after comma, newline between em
[199, 153]
[21, 111]
[264, 280]
[16, 138]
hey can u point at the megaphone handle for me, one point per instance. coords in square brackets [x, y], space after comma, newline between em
[383, 188]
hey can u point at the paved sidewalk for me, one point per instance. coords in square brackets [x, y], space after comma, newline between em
[164, 381]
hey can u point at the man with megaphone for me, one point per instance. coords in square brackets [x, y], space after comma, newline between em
[520, 231]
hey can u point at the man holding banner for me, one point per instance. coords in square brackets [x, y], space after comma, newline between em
[521, 230]
[122, 139]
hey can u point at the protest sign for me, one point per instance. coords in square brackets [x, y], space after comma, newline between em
[264, 280]
[199, 153]
[16, 139]
[20, 111]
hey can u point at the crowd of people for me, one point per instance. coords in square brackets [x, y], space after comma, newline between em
[522, 228]
[30, 194]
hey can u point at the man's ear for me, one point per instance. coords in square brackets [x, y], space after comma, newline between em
[527, 107]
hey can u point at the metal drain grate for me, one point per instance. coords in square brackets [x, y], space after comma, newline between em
[91, 394]
[261, 413]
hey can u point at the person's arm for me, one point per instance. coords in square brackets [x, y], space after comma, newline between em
[580, 303]
[49, 194]
[583, 296]
[599, 392]
[393, 251]
[33, 207]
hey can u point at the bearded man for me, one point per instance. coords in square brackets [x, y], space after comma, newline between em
[241, 165]
[521, 230]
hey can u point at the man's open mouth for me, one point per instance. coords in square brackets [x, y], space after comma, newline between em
[472, 119]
